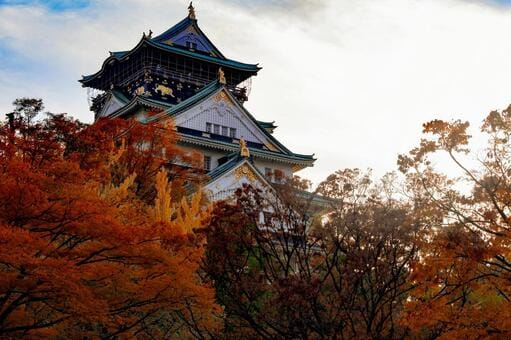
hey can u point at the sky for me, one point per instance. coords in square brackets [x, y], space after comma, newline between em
[351, 81]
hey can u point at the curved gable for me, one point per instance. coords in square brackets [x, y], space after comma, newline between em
[188, 34]
[220, 110]
[238, 175]
[191, 38]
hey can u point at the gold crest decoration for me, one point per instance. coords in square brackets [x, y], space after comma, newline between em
[221, 76]
[191, 12]
[244, 152]
[244, 171]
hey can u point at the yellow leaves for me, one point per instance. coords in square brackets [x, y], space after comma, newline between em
[162, 210]
[117, 194]
[183, 215]
[193, 215]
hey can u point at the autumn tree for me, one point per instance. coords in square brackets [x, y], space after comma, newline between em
[295, 276]
[464, 270]
[97, 238]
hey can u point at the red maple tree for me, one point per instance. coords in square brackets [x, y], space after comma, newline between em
[82, 251]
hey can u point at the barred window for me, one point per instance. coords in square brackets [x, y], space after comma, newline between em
[190, 44]
[207, 163]
[221, 129]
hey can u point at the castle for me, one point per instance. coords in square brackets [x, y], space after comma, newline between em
[180, 74]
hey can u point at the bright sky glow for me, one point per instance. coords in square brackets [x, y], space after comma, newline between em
[351, 81]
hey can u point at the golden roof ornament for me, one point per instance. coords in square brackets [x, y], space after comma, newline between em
[221, 76]
[244, 152]
[191, 11]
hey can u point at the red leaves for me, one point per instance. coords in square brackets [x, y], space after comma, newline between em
[80, 253]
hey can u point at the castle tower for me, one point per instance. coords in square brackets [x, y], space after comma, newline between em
[185, 77]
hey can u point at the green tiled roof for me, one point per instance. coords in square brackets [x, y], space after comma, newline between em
[234, 160]
[138, 101]
[120, 96]
[145, 41]
[267, 125]
[291, 158]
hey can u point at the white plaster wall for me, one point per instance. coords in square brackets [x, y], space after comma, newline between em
[223, 113]
[215, 155]
[262, 164]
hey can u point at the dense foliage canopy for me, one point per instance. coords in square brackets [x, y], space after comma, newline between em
[83, 248]
[105, 233]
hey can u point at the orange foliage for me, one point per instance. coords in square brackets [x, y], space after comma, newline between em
[81, 253]
[464, 271]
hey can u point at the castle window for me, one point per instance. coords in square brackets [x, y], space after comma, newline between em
[190, 44]
[218, 129]
[207, 163]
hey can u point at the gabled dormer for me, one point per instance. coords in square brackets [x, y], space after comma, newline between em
[187, 34]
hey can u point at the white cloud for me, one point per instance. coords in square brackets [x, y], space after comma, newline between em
[351, 81]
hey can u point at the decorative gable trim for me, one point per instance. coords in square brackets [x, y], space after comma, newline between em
[222, 109]
[241, 173]
[188, 30]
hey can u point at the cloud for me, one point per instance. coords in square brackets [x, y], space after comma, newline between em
[351, 81]
[301, 8]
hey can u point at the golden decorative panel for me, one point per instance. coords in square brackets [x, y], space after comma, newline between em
[220, 96]
[244, 171]
[164, 90]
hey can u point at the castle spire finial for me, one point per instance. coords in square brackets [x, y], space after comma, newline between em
[221, 76]
[244, 152]
[191, 11]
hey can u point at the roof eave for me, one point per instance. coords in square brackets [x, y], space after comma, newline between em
[135, 103]
[305, 161]
[251, 68]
